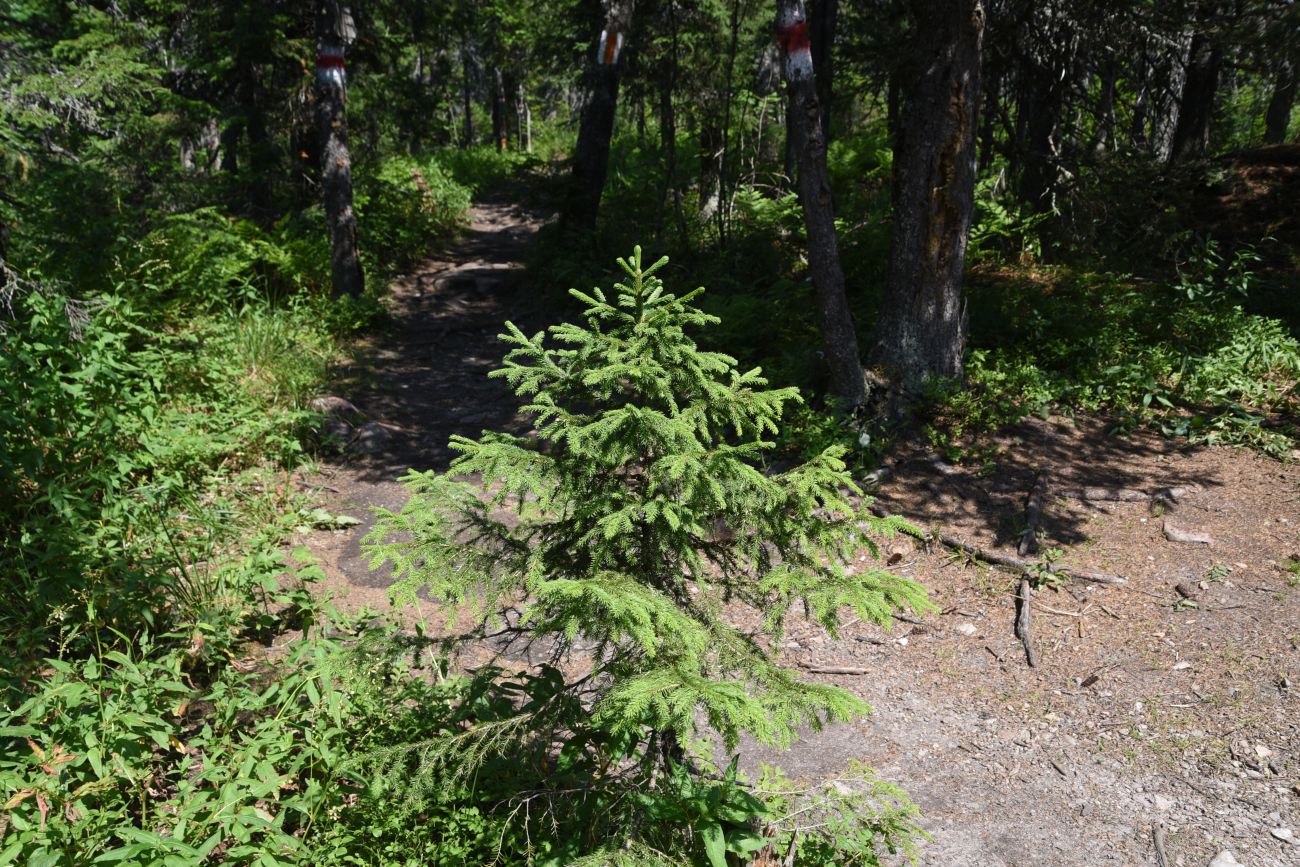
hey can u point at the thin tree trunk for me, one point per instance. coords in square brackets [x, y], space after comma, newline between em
[668, 122]
[523, 120]
[336, 162]
[591, 157]
[822, 16]
[1278, 116]
[710, 168]
[1165, 104]
[261, 151]
[1196, 106]
[839, 340]
[1104, 134]
[724, 156]
[1040, 111]
[790, 154]
[467, 94]
[921, 333]
[988, 129]
[500, 129]
[1138, 124]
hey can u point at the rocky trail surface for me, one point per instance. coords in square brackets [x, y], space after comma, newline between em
[1162, 723]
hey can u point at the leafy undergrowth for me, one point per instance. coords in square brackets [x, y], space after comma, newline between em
[1185, 359]
[175, 692]
[150, 424]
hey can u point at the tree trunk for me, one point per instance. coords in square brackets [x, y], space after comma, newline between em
[790, 154]
[332, 25]
[1165, 102]
[822, 16]
[839, 340]
[467, 94]
[1278, 116]
[1196, 106]
[500, 129]
[724, 156]
[591, 157]
[921, 333]
[1103, 141]
[988, 129]
[1138, 136]
[523, 120]
[710, 168]
[668, 122]
[1039, 118]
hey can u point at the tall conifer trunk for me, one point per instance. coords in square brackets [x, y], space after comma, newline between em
[591, 157]
[500, 129]
[1278, 116]
[839, 341]
[333, 30]
[822, 16]
[1196, 106]
[467, 93]
[921, 333]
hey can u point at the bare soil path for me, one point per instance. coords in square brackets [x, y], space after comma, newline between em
[1154, 712]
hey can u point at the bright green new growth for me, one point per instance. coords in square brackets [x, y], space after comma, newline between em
[646, 525]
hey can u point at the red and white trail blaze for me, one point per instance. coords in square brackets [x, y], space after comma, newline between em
[329, 65]
[609, 48]
[792, 36]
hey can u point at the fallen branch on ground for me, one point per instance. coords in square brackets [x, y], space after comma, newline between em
[1007, 560]
[833, 669]
[1033, 514]
[1025, 621]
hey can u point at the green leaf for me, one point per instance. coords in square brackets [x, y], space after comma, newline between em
[715, 844]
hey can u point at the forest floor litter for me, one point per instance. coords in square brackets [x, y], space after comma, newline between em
[1161, 724]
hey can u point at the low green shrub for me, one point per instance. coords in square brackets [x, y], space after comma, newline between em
[133, 450]
[405, 206]
[1183, 357]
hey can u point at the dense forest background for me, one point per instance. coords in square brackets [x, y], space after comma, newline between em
[933, 218]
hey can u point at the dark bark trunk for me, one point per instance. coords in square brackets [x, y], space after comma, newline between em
[591, 156]
[1165, 96]
[1278, 116]
[893, 108]
[261, 152]
[724, 155]
[1196, 106]
[668, 122]
[229, 159]
[839, 340]
[921, 333]
[1104, 135]
[988, 128]
[1138, 124]
[822, 16]
[336, 162]
[467, 94]
[1039, 109]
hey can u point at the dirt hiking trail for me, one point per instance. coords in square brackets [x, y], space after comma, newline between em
[1162, 724]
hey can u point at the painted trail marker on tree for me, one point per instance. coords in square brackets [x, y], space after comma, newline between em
[609, 48]
[329, 66]
[792, 36]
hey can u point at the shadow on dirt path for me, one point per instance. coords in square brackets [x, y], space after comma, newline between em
[423, 379]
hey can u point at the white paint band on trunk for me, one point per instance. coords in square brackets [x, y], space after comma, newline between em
[609, 48]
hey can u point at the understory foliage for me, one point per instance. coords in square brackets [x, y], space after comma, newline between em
[649, 542]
